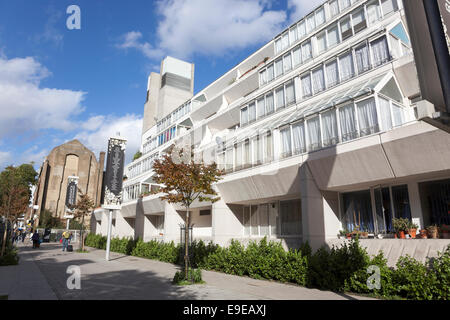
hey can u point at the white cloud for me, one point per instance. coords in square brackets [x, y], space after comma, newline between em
[96, 137]
[26, 107]
[5, 158]
[300, 8]
[212, 27]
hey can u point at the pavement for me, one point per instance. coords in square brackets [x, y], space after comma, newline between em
[42, 275]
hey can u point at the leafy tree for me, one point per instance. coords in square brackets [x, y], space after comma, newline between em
[15, 194]
[82, 208]
[48, 220]
[184, 182]
[137, 155]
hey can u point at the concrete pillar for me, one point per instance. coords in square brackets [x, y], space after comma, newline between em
[226, 223]
[320, 211]
[172, 221]
[414, 202]
[124, 227]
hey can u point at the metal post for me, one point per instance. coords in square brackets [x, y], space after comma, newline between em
[108, 242]
[68, 223]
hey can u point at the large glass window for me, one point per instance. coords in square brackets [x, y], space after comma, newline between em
[286, 150]
[263, 77]
[402, 207]
[359, 20]
[297, 56]
[344, 4]
[278, 45]
[334, 8]
[269, 103]
[290, 217]
[247, 154]
[347, 122]
[320, 16]
[251, 112]
[332, 74]
[373, 11]
[306, 85]
[380, 51]
[285, 41]
[346, 28]
[261, 107]
[293, 35]
[301, 29]
[306, 51]
[229, 160]
[333, 36]
[278, 67]
[270, 74]
[321, 43]
[298, 134]
[314, 138]
[279, 93]
[310, 23]
[329, 128]
[358, 211]
[362, 58]
[257, 150]
[367, 116]
[346, 66]
[287, 62]
[318, 80]
[399, 117]
[268, 148]
[238, 156]
[290, 93]
[388, 6]
[385, 113]
[244, 116]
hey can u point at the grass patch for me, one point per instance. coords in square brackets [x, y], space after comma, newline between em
[194, 277]
[82, 251]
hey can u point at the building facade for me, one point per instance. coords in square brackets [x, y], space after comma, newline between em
[318, 131]
[71, 159]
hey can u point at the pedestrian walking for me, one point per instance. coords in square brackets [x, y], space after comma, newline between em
[36, 240]
[65, 240]
[24, 235]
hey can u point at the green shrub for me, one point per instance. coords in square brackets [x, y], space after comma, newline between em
[194, 276]
[166, 252]
[440, 267]
[10, 257]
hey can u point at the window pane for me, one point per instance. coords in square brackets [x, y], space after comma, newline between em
[290, 93]
[332, 74]
[358, 211]
[333, 36]
[306, 86]
[320, 16]
[380, 51]
[318, 80]
[229, 160]
[293, 36]
[244, 116]
[287, 62]
[344, 4]
[385, 113]
[252, 112]
[297, 56]
[347, 122]
[321, 43]
[270, 74]
[346, 28]
[373, 11]
[399, 117]
[269, 103]
[290, 217]
[247, 155]
[346, 66]
[268, 147]
[306, 51]
[286, 142]
[334, 8]
[362, 58]
[285, 41]
[367, 117]
[254, 220]
[238, 156]
[279, 93]
[329, 128]
[310, 23]
[263, 210]
[314, 139]
[388, 6]
[262, 77]
[261, 107]
[301, 30]
[359, 21]
[278, 67]
[278, 45]
[298, 133]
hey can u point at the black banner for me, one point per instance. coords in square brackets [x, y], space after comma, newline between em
[114, 169]
[71, 194]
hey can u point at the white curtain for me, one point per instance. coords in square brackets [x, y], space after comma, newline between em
[367, 116]
[290, 93]
[298, 133]
[318, 80]
[380, 51]
[257, 150]
[285, 41]
[262, 77]
[278, 45]
[286, 142]
[314, 139]
[252, 112]
[388, 6]
[229, 159]
[279, 93]
[269, 103]
[287, 62]
[320, 16]
[297, 56]
[344, 4]
[321, 43]
[385, 114]
[348, 122]
[306, 86]
[346, 66]
[238, 155]
[310, 23]
[270, 73]
[333, 36]
[301, 29]
[399, 117]
[373, 11]
[334, 8]
[362, 58]
[244, 116]
[306, 51]
[278, 67]
[268, 148]
[261, 107]
[293, 36]
[329, 128]
[332, 73]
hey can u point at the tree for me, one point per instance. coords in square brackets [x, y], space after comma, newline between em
[15, 194]
[82, 208]
[184, 182]
[137, 155]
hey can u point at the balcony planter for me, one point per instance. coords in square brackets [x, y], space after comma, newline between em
[423, 234]
[412, 233]
[433, 232]
[401, 234]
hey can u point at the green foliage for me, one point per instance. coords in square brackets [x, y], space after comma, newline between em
[400, 224]
[47, 220]
[137, 155]
[124, 245]
[166, 252]
[194, 276]
[95, 241]
[10, 257]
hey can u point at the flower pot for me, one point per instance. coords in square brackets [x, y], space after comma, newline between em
[423, 234]
[348, 236]
[401, 234]
[412, 233]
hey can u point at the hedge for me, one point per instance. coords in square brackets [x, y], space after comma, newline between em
[339, 269]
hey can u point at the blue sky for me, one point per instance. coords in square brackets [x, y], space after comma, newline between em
[58, 84]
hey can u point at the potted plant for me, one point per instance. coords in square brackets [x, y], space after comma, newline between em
[423, 233]
[432, 232]
[400, 226]
[412, 229]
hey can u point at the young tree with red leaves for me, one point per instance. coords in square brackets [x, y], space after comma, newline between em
[82, 208]
[183, 181]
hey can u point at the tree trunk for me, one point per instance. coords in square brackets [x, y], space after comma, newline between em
[5, 232]
[81, 233]
[186, 245]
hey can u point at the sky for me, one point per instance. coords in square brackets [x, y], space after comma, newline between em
[59, 84]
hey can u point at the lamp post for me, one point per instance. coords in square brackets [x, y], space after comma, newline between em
[113, 181]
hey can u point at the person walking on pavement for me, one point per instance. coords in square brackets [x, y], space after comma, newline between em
[65, 240]
[35, 239]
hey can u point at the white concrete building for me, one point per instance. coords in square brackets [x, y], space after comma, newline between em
[319, 130]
